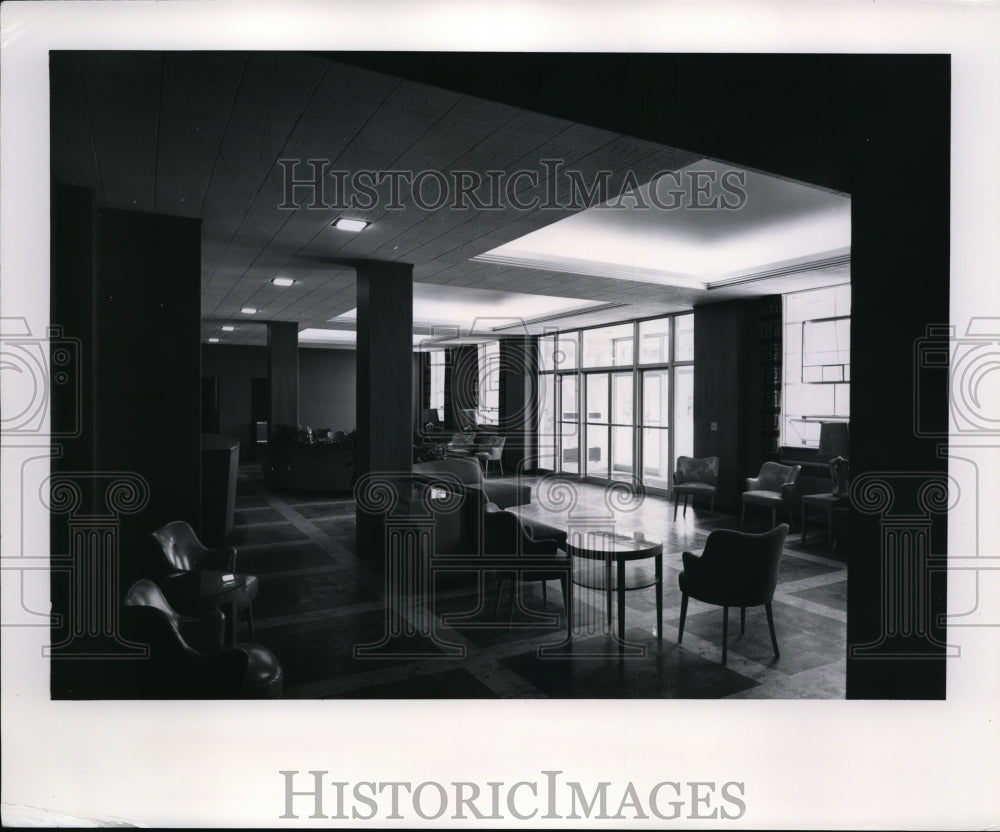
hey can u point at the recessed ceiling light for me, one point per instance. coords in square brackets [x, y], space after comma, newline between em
[248, 310]
[283, 281]
[228, 328]
[213, 340]
[350, 225]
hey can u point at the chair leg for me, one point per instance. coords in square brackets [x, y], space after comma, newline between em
[567, 591]
[677, 499]
[770, 624]
[725, 632]
[686, 505]
[500, 463]
[743, 620]
[545, 594]
[684, 612]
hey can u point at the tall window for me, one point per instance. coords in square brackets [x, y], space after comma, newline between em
[616, 402]
[437, 382]
[489, 384]
[817, 362]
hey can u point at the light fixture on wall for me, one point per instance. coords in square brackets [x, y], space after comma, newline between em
[283, 281]
[248, 310]
[345, 224]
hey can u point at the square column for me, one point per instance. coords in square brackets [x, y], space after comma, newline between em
[384, 387]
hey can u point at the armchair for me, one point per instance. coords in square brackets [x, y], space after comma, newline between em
[187, 657]
[776, 486]
[490, 449]
[461, 444]
[184, 554]
[736, 569]
[695, 478]
[507, 534]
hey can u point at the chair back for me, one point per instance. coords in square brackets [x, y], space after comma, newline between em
[180, 545]
[744, 566]
[149, 619]
[774, 476]
[144, 593]
[691, 469]
[504, 535]
[493, 445]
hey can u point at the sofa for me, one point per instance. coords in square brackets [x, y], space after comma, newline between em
[470, 474]
[461, 531]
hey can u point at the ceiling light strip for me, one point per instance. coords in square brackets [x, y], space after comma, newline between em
[557, 316]
[815, 265]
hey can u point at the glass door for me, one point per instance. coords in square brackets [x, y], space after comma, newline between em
[655, 428]
[596, 425]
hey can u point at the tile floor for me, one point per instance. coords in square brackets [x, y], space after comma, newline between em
[319, 602]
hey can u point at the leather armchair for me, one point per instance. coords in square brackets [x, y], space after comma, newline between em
[736, 569]
[187, 658]
[695, 478]
[507, 534]
[490, 449]
[183, 553]
[776, 486]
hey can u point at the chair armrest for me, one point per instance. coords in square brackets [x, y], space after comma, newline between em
[204, 632]
[790, 491]
[691, 561]
[753, 484]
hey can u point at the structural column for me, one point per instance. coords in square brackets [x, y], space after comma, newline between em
[283, 373]
[384, 387]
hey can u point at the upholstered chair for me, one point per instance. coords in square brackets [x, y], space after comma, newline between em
[507, 534]
[461, 444]
[490, 449]
[736, 569]
[187, 657]
[776, 486]
[695, 478]
[184, 553]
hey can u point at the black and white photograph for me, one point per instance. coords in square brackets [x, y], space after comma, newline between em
[561, 390]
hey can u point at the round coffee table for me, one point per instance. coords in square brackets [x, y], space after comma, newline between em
[626, 552]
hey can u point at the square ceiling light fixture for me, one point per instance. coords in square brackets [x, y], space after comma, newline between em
[283, 281]
[228, 328]
[248, 310]
[345, 224]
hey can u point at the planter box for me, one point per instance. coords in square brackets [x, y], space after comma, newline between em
[309, 467]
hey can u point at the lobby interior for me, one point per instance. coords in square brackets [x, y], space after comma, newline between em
[174, 213]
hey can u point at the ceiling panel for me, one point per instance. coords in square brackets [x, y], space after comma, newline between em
[200, 134]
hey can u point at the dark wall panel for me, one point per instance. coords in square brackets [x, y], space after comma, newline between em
[234, 366]
[327, 394]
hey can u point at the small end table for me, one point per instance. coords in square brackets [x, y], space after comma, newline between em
[825, 503]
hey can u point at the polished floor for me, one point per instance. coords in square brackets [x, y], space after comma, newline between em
[323, 611]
